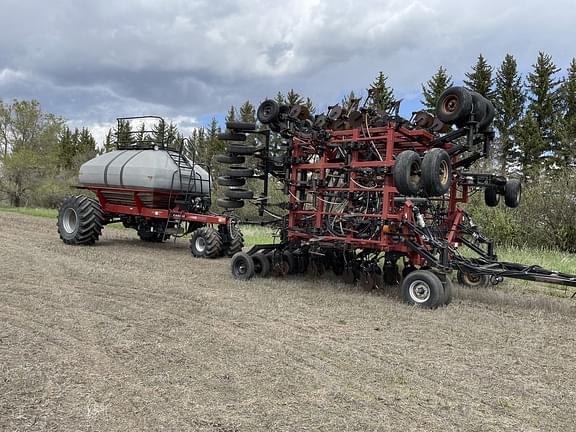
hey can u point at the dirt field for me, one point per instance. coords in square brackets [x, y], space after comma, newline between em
[133, 336]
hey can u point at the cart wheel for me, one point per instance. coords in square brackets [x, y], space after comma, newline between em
[230, 181]
[261, 265]
[239, 193]
[244, 149]
[229, 159]
[205, 243]
[241, 126]
[229, 203]
[242, 266]
[491, 197]
[454, 106]
[424, 289]
[472, 280]
[484, 110]
[406, 173]
[231, 136]
[268, 111]
[512, 193]
[436, 172]
[239, 171]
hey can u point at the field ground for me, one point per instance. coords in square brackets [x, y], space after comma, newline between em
[129, 336]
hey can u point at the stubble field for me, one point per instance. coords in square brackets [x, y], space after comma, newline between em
[129, 336]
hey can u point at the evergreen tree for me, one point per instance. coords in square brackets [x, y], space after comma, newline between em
[566, 128]
[66, 149]
[231, 116]
[434, 87]
[109, 143]
[381, 96]
[123, 133]
[293, 98]
[350, 102]
[247, 112]
[533, 143]
[543, 104]
[480, 78]
[509, 101]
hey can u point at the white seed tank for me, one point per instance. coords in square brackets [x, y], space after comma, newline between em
[153, 170]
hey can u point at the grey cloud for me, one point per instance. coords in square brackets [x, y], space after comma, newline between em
[92, 61]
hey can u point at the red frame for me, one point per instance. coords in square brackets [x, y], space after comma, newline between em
[139, 209]
[389, 141]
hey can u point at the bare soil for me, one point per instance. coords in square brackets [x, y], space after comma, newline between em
[130, 336]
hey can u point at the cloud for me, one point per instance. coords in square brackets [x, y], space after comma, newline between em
[94, 61]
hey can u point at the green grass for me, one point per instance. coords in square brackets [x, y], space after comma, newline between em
[549, 259]
[254, 234]
[38, 212]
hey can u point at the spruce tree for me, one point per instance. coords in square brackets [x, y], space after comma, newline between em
[231, 116]
[480, 78]
[350, 102]
[509, 101]
[381, 95]
[566, 126]
[434, 87]
[543, 104]
[293, 98]
[247, 112]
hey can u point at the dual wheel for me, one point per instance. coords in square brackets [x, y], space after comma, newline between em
[245, 266]
[512, 194]
[206, 242]
[431, 174]
[459, 106]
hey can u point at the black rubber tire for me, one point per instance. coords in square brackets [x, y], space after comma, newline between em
[470, 280]
[491, 196]
[206, 243]
[243, 149]
[268, 111]
[238, 171]
[448, 291]
[234, 246]
[229, 159]
[242, 266]
[424, 289]
[261, 265]
[406, 172]
[230, 181]
[229, 203]
[80, 220]
[512, 193]
[241, 126]
[484, 110]
[289, 258]
[436, 172]
[239, 193]
[454, 106]
[152, 237]
[231, 136]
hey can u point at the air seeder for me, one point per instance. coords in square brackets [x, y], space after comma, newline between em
[151, 186]
[368, 190]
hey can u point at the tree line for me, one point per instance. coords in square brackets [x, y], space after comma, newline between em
[535, 127]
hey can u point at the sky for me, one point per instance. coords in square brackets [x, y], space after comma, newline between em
[190, 60]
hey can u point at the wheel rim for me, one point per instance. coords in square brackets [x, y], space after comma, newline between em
[200, 244]
[450, 104]
[419, 291]
[70, 220]
[241, 267]
[444, 172]
[472, 279]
